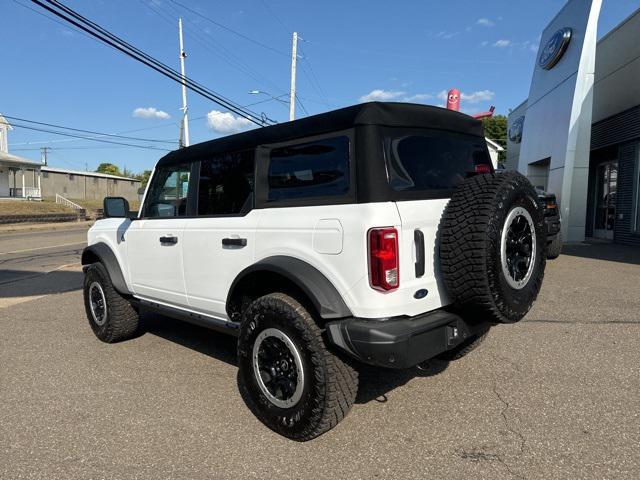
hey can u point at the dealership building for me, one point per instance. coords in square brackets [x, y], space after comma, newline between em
[597, 178]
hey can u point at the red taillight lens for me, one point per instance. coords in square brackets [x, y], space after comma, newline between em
[483, 168]
[384, 271]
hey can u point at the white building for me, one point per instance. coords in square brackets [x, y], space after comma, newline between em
[15, 171]
[605, 189]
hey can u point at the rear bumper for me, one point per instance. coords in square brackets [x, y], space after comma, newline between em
[401, 342]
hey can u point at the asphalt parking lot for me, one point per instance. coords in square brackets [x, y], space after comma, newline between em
[555, 396]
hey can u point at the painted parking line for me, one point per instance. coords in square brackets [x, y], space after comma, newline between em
[42, 248]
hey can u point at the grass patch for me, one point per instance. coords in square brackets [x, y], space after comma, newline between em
[92, 205]
[23, 207]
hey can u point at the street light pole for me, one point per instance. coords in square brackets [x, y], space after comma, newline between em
[292, 94]
[184, 137]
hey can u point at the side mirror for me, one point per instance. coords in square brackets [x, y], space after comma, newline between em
[116, 207]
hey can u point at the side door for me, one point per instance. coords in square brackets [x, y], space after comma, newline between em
[155, 241]
[219, 241]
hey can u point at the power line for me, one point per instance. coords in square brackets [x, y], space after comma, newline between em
[209, 44]
[93, 29]
[93, 139]
[111, 135]
[239, 34]
[278, 19]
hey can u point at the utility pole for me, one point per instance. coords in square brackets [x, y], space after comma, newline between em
[184, 131]
[292, 94]
[43, 155]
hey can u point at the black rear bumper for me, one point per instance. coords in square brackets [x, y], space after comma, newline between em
[401, 342]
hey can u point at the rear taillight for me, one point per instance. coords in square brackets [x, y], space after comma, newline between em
[384, 271]
[483, 168]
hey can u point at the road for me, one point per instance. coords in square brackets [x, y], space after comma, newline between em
[39, 262]
[554, 396]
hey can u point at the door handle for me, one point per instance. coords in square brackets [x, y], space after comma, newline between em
[168, 240]
[418, 237]
[234, 242]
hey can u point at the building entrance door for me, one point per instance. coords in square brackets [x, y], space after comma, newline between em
[605, 204]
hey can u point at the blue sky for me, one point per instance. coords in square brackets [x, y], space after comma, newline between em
[351, 51]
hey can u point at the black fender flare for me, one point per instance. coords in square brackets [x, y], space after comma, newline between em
[320, 291]
[102, 253]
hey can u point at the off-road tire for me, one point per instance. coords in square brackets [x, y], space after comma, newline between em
[470, 247]
[464, 348]
[330, 384]
[555, 247]
[122, 320]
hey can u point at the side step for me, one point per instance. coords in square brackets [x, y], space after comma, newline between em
[200, 319]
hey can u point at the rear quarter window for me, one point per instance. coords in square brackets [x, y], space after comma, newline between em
[313, 169]
[433, 161]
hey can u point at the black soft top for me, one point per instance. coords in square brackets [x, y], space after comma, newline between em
[389, 114]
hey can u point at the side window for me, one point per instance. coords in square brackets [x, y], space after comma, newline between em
[168, 192]
[226, 184]
[314, 169]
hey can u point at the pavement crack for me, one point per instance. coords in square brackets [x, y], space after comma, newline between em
[522, 441]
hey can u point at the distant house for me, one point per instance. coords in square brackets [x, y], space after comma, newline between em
[19, 177]
[494, 151]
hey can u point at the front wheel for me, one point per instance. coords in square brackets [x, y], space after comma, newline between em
[111, 316]
[292, 382]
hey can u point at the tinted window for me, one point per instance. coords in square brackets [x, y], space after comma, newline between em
[313, 169]
[168, 192]
[433, 162]
[226, 184]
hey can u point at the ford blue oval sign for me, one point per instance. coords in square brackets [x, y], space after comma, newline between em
[555, 47]
[515, 130]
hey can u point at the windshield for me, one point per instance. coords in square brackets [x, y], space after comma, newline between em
[433, 160]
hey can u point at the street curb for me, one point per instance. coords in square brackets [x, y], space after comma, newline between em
[34, 227]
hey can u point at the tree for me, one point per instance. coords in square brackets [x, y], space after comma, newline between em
[495, 128]
[143, 177]
[108, 168]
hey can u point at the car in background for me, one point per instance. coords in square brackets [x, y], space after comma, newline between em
[552, 221]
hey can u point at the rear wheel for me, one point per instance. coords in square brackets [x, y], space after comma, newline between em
[111, 316]
[291, 381]
[493, 247]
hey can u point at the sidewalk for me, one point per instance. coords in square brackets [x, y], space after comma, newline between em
[35, 227]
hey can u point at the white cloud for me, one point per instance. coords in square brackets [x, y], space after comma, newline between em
[226, 122]
[379, 95]
[485, 22]
[447, 35]
[484, 43]
[418, 97]
[151, 112]
[473, 97]
[502, 43]
[479, 96]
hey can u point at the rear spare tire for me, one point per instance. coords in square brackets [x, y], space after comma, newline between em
[493, 247]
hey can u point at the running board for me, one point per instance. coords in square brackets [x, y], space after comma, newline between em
[200, 319]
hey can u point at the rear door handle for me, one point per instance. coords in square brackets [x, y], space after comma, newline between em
[418, 237]
[234, 242]
[168, 240]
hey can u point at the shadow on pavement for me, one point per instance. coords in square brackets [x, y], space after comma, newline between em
[611, 252]
[26, 283]
[375, 383]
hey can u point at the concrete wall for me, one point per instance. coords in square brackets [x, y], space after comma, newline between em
[617, 84]
[82, 187]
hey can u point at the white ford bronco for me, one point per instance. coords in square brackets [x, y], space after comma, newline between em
[375, 234]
